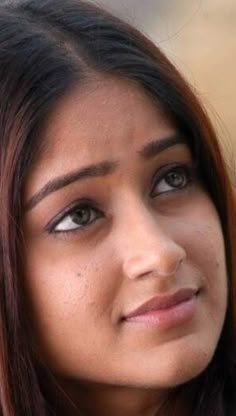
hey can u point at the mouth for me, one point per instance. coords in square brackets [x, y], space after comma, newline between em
[166, 310]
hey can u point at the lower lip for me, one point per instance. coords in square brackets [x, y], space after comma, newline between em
[167, 318]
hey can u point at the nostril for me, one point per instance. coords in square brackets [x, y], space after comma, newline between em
[165, 262]
[150, 252]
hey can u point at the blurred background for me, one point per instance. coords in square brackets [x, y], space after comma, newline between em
[199, 36]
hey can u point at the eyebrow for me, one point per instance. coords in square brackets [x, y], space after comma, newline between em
[101, 169]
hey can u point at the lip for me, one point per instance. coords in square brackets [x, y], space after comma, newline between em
[160, 306]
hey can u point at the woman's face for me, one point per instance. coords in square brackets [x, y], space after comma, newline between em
[124, 255]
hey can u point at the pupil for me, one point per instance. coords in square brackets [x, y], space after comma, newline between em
[81, 216]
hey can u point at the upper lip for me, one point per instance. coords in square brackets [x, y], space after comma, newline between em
[163, 302]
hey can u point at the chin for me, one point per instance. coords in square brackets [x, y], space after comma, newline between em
[179, 371]
[175, 366]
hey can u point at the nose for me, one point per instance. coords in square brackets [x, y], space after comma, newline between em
[150, 250]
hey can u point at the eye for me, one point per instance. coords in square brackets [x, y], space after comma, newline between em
[173, 178]
[79, 217]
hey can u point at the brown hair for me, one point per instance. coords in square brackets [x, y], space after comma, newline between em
[46, 47]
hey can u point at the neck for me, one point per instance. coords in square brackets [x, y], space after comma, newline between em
[103, 400]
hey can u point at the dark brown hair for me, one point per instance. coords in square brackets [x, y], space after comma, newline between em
[46, 47]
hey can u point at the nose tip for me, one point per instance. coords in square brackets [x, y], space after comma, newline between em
[162, 260]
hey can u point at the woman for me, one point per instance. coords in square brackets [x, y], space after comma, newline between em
[117, 225]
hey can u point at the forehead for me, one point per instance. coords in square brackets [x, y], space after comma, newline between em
[100, 114]
[106, 118]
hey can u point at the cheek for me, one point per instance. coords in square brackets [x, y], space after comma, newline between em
[201, 235]
[206, 252]
[62, 301]
[210, 250]
[66, 288]
[69, 303]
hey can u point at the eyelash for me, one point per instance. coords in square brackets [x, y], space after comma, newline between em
[190, 176]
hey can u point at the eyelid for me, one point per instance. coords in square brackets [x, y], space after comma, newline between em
[50, 227]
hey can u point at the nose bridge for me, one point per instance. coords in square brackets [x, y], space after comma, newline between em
[149, 245]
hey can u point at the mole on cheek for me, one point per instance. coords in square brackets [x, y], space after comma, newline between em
[217, 264]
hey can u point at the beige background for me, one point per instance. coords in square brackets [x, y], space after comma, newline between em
[199, 36]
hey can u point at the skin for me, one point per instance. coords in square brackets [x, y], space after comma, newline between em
[149, 239]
